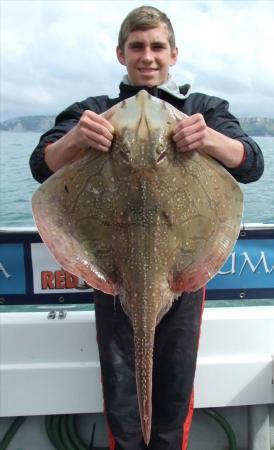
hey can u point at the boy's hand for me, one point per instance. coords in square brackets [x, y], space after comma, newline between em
[93, 131]
[191, 133]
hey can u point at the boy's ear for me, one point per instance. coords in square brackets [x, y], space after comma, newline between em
[120, 56]
[174, 56]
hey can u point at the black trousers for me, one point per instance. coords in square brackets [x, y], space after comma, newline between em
[174, 363]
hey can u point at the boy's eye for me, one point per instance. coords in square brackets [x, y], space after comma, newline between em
[136, 45]
[158, 46]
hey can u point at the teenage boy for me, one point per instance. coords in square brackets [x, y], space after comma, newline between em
[147, 49]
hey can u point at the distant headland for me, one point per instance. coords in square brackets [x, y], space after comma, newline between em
[253, 126]
[36, 124]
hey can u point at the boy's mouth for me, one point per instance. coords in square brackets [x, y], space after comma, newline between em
[147, 70]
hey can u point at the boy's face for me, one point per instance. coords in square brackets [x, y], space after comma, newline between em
[147, 56]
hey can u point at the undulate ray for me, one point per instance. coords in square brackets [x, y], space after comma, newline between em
[143, 221]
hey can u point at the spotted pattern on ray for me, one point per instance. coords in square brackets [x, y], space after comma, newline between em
[143, 221]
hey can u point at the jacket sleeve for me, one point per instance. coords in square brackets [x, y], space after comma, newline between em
[63, 123]
[218, 117]
[66, 120]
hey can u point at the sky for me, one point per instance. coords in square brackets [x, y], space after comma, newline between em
[56, 52]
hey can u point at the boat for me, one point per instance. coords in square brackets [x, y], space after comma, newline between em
[50, 385]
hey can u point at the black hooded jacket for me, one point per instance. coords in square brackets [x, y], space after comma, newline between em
[214, 109]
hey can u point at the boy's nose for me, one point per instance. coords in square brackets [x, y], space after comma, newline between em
[147, 54]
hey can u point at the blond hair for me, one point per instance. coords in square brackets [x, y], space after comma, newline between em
[144, 18]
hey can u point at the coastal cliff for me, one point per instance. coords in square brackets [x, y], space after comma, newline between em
[253, 126]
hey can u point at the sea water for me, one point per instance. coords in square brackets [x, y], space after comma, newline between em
[17, 184]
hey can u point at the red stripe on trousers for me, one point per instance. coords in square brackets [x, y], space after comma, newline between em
[111, 440]
[188, 421]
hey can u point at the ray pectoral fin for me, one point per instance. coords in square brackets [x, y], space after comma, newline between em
[193, 269]
[70, 247]
[77, 260]
[185, 281]
[191, 273]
